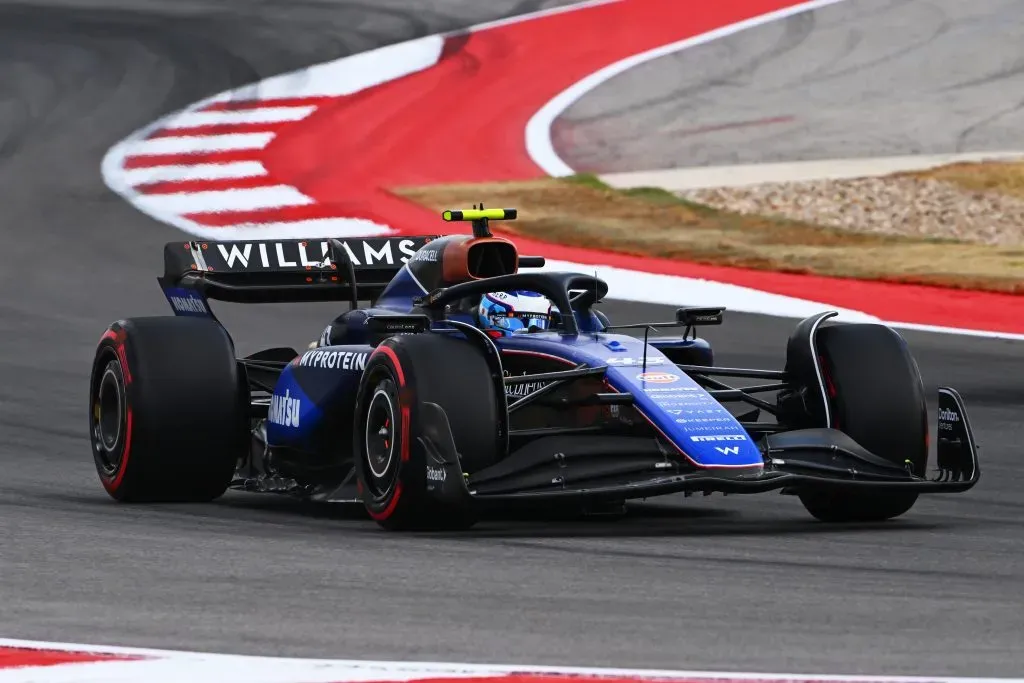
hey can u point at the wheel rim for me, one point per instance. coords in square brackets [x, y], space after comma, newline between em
[379, 442]
[109, 417]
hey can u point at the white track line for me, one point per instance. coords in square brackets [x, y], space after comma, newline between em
[167, 666]
[941, 329]
[366, 69]
[347, 75]
[680, 179]
[188, 144]
[193, 119]
[676, 290]
[538, 130]
[176, 173]
[248, 199]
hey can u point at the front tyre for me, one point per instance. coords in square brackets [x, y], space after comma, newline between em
[167, 415]
[876, 396]
[391, 466]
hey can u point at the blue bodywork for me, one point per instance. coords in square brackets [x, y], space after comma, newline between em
[324, 382]
[321, 384]
[685, 414]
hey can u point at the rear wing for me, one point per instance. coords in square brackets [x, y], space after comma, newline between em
[277, 271]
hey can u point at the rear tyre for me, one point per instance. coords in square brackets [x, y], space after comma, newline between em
[403, 373]
[167, 415]
[877, 398]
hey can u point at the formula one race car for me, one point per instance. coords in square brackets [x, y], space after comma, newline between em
[468, 382]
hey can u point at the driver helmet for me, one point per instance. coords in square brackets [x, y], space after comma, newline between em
[514, 312]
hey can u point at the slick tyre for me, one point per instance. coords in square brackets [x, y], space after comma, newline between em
[877, 398]
[403, 373]
[167, 414]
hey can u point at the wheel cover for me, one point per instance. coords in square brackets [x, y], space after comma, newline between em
[379, 442]
[109, 407]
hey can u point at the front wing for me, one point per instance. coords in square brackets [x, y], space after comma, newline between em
[601, 468]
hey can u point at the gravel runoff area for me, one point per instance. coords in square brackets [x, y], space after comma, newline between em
[898, 204]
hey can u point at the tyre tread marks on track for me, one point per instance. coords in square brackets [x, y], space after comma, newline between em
[796, 29]
[838, 86]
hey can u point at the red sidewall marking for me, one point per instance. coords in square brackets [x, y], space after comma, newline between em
[118, 337]
[390, 509]
[406, 418]
[390, 353]
[404, 405]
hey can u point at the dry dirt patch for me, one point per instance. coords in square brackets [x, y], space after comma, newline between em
[991, 177]
[582, 211]
[981, 203]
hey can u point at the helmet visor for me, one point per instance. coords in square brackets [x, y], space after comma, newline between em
[503, 315]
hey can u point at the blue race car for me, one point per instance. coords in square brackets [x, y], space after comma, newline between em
[476, 378]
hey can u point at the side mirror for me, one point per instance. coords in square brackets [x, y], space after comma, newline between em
[692, 317]
[532, 261]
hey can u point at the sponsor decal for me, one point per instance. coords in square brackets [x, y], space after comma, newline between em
[524, 389]
[947, 418]
[728, 450]
[701, 420]
[340, 360]
[659, 390]
[430, 255]
[688, 403]
[436, 473]
[189, 305]
[310, 254]
[397, 324]
[284, 410]
[705, 429]
[639, 362]
[721, 437]
[658, 377]
[689, 411]
[681, 400]
[520, 390]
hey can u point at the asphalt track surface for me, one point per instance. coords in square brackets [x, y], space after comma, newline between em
[861, 78]
[709, 583]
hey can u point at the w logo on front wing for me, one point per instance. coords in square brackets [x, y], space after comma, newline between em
[728, 450]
